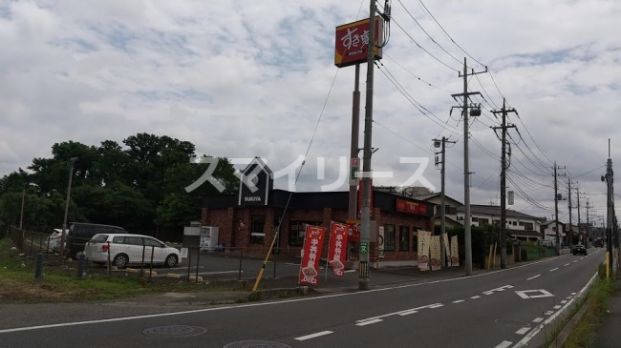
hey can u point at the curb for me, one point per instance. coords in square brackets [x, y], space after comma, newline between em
[572, 322]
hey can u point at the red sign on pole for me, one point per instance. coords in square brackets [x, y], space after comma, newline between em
[313, 245]
[352, 42]
[337, 248]
[409, 207]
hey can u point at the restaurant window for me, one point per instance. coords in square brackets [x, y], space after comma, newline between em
[257, 234]
[389, 238]
[297, 231]
[404, 238]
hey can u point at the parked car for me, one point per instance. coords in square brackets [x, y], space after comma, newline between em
[579, 249]
[80, 233]
[125, 249]
[53, 241]
[598, 243]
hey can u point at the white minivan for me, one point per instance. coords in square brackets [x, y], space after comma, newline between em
[127, 249]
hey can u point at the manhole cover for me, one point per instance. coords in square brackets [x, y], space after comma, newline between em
[256, 344]
[175, 331]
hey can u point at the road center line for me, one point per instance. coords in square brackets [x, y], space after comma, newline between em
[554, 269]
[567, 264]
[459, 301]
[369, 322]
[522, 330]
[314, 335]
[475, 297]
[534, 277]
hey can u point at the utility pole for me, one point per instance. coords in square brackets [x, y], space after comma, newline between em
[586, 239]
[443, 142]
[64, 232]
[570, 233]
[503, 180]
[476, 111]
[558, 235]
[610, 213]
[365, 223]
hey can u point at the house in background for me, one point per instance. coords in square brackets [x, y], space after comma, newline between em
[519, 226]
[548, 229]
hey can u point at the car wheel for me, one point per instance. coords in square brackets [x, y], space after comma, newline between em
[171, 261]
[121, 261]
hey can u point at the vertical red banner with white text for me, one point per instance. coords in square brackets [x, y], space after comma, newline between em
[313, 245]
[337, 248]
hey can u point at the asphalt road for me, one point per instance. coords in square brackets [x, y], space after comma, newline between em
[509, 308]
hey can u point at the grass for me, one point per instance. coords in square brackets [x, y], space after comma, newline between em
[60, 284]
[584, 332]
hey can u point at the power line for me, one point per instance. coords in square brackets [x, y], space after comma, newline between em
[426, 33]
[419, 106]
[423, 48]
[449, 35]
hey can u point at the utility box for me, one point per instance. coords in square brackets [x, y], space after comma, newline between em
[208, 238]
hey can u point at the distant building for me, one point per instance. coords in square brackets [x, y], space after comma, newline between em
[548, 229]
[519, 226]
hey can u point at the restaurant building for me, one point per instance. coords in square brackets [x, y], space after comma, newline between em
[249, 220]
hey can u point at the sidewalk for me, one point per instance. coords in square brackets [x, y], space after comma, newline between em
[607, 335]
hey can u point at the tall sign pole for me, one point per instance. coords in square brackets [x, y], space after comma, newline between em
[354, 161]
[465, 113]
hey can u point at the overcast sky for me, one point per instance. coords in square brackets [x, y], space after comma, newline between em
[250, 78]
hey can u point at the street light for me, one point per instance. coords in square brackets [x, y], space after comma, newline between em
[62, 235]
[21, 215]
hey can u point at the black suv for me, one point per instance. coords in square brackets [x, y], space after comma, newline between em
[579, 249]
[79, 233]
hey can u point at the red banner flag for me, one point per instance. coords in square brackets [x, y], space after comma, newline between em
[313, 245]
[337, 248]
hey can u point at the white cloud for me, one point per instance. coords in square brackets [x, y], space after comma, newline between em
[242, 78]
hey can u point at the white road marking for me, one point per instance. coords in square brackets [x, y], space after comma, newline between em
[314, 335]
[350, 271]
[575, 261]
[567, 264]
[524, 341]
[557, 307]
[573, 294]
[522, 330]
[538, 320]
[530, 294]
[369, 322]
[475, 297]
[500, 289]
[401, 313]
[553, 269]
[534, 277]
[549, 312]
[459, 301]
[503, 344]
[270, 303]
[564, 301]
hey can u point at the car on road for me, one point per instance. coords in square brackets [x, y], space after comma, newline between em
[598, 243]
[579, 249]
[79, 233]
[124, 249]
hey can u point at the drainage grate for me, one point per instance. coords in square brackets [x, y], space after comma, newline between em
[175, 331]
[256, 344]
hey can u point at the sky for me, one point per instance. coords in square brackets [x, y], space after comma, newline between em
[257, 78]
